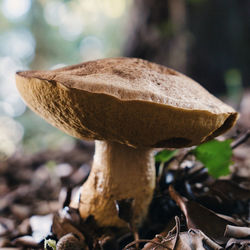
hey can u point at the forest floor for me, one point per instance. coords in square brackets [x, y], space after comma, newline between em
[190, 208]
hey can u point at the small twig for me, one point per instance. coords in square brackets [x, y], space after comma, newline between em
[177, 221]
[163, 239]
[241, 139]
[170, 233]
[135, 233]
[145, 241]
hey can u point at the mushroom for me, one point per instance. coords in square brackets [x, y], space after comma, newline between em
[129, 106]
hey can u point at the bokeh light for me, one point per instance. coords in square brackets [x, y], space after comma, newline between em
[19, 44]
[70, 22]
[11, 103]
[8, 91]
[15, 9]
[113, 8]
[49, 34]
[53, 11]
[11, 133]
[91, 48]
[71, 26]
[15, 102]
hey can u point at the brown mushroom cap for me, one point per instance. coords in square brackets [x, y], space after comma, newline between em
[126, 100]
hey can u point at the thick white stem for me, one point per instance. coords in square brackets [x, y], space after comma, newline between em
[118, 172]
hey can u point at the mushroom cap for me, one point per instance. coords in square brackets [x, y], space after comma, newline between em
[126, 100]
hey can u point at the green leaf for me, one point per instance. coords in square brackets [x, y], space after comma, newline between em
[216, 156]
[49, 243]
[165, 155]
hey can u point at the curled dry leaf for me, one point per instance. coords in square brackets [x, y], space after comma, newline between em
[237, 232]
[68, 221]
[63, 226]
[235, 244]
[161, 239]
[199, 217]
[193, 239]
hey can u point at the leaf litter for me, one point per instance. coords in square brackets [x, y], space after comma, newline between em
[191, 208]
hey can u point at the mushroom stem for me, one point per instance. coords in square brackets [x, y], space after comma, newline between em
[118, 172]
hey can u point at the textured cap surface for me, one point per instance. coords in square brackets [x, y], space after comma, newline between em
[126, 100]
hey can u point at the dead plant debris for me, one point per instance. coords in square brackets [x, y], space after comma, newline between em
[190, 208]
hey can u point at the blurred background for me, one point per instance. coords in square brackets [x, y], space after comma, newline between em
[208, 40]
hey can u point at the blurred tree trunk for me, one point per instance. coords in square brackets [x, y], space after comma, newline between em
[205, 39]
[158, 32]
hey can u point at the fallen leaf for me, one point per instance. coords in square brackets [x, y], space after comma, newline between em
[199, 217]
[193, 239]
[63, 225]
[235, 244]
[237, 232]
[231, 189]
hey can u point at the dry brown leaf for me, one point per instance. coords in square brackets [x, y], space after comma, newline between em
[199, 217]
[235, 244]
[237, 232]
[193, 239]
[231, 189]
[62, 226]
